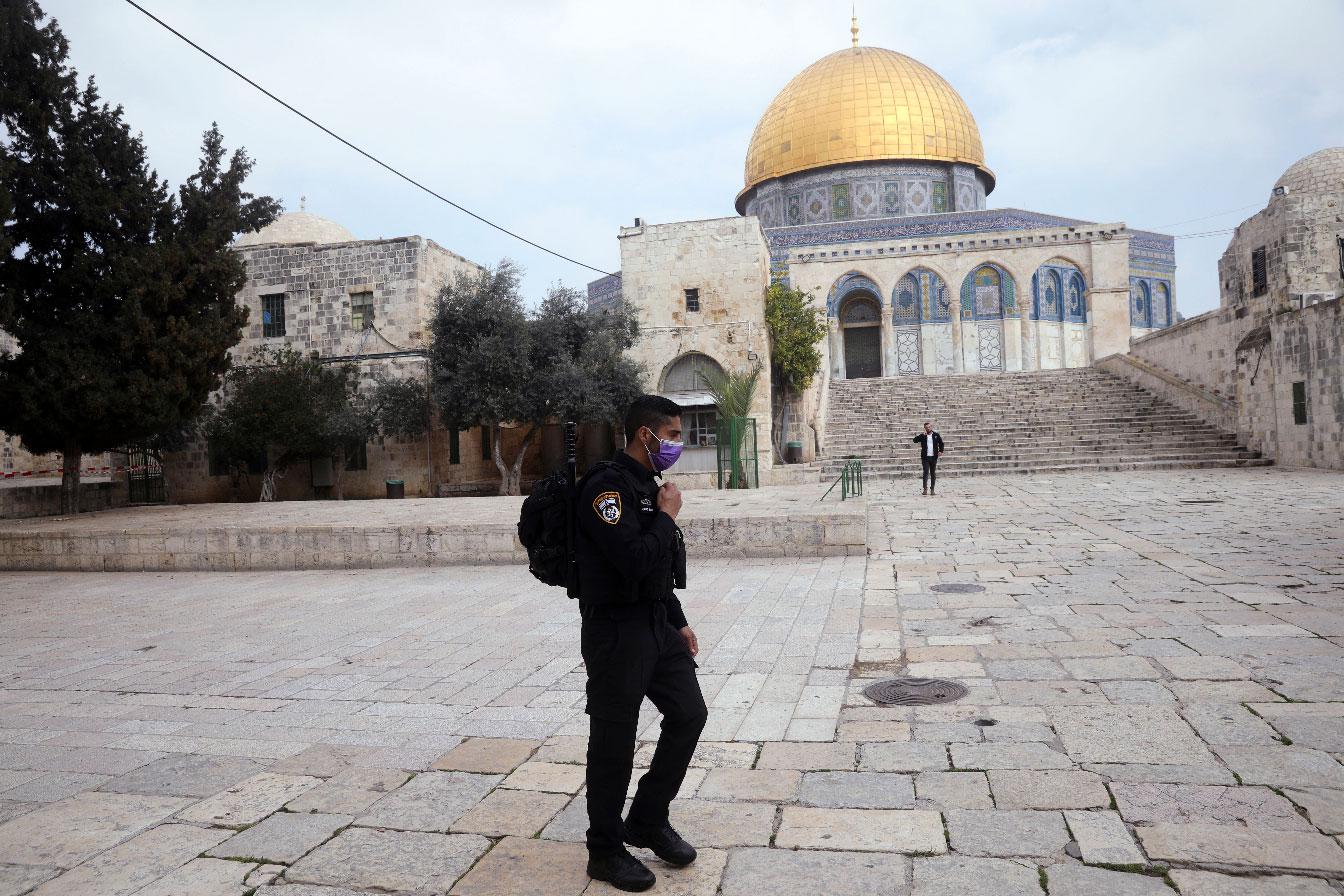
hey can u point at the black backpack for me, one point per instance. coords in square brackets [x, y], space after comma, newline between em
[546, 525]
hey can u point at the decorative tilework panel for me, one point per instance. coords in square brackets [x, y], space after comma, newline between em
[891, 197]
[840, 210]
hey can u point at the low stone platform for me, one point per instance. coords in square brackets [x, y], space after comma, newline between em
[771, 522]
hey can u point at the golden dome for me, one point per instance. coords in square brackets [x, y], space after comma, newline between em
[862, 104]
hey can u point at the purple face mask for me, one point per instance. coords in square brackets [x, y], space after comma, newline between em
[668, 453]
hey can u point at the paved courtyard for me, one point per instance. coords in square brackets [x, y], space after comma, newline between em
[1155, 665]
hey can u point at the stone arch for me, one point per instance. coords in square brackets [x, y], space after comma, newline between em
[989, 292]
[920, 296]
[1140, 303]
[847, 284]
[686, 372]
[1161, 305]
[1058, 292]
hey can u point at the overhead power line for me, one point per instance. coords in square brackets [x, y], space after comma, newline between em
[368, 155]
[1207, 217]
[1191, 236]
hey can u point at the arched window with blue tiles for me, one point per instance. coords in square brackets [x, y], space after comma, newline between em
[988, 294]
[846, 285]
[920, 297]
[1161, 305]
[1075, 299]
[1057, 290]
[1140, 304]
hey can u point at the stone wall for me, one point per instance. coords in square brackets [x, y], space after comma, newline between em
[1304, 346]
[22, 501]
[727, 260]
[1200, 350]
[403, 276]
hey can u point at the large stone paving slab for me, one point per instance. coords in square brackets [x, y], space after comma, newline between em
[520, 865]
[1189, 803]
[66, 833]
[410, 862]
[282, 838]
[136, 863]
[429, 802]
[966, 876]
[1244, 847]
[868, 830]
[1125, 734]
[753, 872]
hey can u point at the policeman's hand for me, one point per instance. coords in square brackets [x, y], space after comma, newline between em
[669, 499]
[691, 641]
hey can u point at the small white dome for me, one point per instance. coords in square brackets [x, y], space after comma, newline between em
[1320, 172]
[297, 227]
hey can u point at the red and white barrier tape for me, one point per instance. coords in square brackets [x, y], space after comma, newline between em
[60, 471]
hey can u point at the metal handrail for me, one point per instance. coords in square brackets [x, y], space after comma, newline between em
[850, 481]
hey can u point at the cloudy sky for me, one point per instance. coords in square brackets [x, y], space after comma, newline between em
[565, 120]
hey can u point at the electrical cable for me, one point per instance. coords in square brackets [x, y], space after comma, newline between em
[368, 155]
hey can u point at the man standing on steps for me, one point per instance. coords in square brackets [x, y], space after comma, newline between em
[930, 449]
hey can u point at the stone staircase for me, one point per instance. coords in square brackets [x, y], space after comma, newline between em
[1039, 422]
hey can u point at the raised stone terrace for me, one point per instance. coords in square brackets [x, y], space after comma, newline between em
[1081, 419]
[1155, 668]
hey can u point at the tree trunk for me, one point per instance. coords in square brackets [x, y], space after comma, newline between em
[273, 472]
[337, 469]
[511, 475]
[70, 478]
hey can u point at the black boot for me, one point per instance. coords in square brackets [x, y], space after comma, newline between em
[622, 870]
[665, 842]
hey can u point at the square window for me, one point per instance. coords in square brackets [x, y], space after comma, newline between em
[273, 315]
[361, 311]
[701, 428]
[692, 299]
[1300, 403]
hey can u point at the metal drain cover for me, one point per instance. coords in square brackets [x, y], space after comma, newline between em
[914, 691]
[958, 588]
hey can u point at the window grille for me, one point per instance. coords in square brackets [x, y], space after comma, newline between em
[692, 300]
[1259, 277]
[273, 315]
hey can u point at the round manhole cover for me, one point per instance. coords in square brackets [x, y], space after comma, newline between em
[914, 691]
[958, 588]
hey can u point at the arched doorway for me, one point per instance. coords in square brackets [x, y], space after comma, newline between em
[861, 323]
[686, 381]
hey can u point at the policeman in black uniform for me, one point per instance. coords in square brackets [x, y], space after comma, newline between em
[636, 644]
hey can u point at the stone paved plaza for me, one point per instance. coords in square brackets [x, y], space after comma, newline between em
[1155, 667]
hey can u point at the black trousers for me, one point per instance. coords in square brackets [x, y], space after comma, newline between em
[632, 652]
[930, 465]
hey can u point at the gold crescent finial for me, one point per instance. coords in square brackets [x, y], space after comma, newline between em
[854, 24]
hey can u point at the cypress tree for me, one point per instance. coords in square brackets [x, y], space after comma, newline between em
[119, 293]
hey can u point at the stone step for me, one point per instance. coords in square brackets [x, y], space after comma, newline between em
[1104, 467]
[832, 467]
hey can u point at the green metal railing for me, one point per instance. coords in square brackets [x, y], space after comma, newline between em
[850, 481]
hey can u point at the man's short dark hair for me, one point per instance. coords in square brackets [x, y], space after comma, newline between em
[652, 411]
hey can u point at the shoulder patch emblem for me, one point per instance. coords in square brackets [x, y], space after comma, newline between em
[608, 507]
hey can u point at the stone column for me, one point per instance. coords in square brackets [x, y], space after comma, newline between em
[837, 343]
[1012, 344]
[958, 364]
[1108, 297]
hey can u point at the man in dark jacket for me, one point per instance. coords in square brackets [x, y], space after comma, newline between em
[636, 643]
[930, 449]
